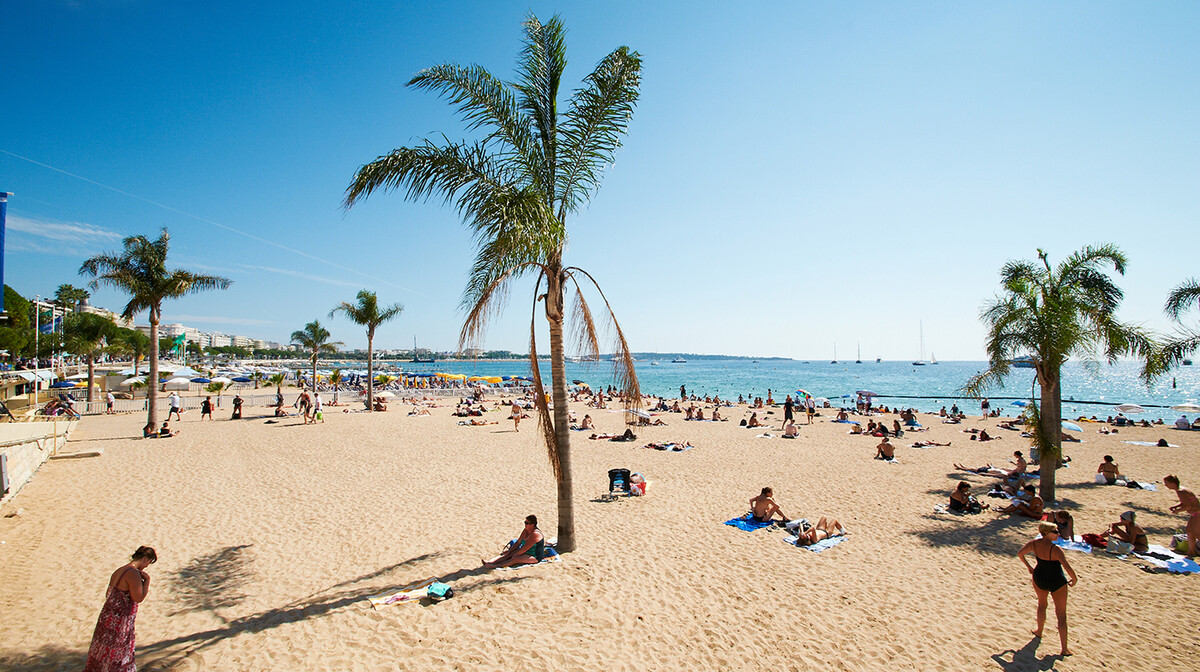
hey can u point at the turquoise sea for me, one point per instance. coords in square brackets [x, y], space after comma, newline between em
[925, 388]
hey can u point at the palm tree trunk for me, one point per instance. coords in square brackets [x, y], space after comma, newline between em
[1051, 421]
[370, 375]
[562, 433]
[152, 382]
[91, 359]
[314, 378]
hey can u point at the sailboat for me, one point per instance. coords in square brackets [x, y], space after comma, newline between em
[834, 354]
[417, 358]
[859, 359]
[921, 361]
[932, 359]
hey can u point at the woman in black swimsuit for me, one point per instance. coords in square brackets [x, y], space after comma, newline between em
[1048, 579]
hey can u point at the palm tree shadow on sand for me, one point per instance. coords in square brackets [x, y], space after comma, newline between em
[1025, 659]
[174, 653]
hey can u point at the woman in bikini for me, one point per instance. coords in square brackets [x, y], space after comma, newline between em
[1109, 469]
[1048, 579]
[824, 529]
[1130, 532]
[528, 549]
[1189, 505]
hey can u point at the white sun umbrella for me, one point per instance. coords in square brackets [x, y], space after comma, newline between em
[222, 379]
[130, 381]
[179, 382]
[385, 395]
[1129, 408]
[638, 412]
[78, 376]
[1186, 407]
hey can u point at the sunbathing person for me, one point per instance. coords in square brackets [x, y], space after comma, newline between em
[925, 444]
[763, 508]
[790, 430]
[476, 422]
[885, 450]
[528, 549]
[754, 421]
[587, 422]
[824, 529]
[962, 501]
[148, 432]
[1130, 532]
[673, 446]
[857, 429]
[1109, 469]
[1065, 522]
[987, 469]
[1030, 509]
[717, 415]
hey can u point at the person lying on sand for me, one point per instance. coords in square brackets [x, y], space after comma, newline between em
[419, 410]
[763, 507]
[925, 444]
[1032, 509]
[476, 422]
[673, 446]
[528, 549]
[857, 429]
[824, 529]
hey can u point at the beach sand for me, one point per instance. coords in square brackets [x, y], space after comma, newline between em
[271, 537]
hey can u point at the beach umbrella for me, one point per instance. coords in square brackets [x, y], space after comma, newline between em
[638, 412]
[1020, 402]
[1071, 426]
[385, 395]
[201, 379]
[866, 393]
[1130, 408]
[63, 384]
[130, 381]
[78, 376]
[803, 392]
[580, 383]
[243, 379]
[222, 379]
[1186, 407]
[820, 400]
[178, 382]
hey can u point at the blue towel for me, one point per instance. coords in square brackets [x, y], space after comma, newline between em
[847, 422]
[820, 545]
[1073, 545]
[747, 523]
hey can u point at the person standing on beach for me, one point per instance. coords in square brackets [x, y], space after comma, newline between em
[175, 405]
[682, 393]
[1189, 505]
[1048, 579]
[317, 414]
[984, 406]
[206, 408]
[113, 639]
[516, 415]
[788, 407]
[810, 405]
[112, 400]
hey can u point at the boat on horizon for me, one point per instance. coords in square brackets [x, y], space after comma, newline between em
[859, 359]
[679, 360]
[834, 354]
[921, 361]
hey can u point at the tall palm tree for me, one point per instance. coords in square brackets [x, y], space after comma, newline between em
[314, 338]
[140, 270]
[335, 379]
[1051, 314]
[1186, 341]
[277, 380]
[86, 335]
[366, 313]
[515, 188]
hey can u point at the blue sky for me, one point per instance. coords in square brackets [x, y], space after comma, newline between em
[797, 175]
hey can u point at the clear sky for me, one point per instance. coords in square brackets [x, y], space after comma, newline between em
[797, 175]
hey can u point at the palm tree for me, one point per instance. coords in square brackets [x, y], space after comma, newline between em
[1051, 314]
[335, 379]
[140, 271]
[514, 188]
[86, 335]
[277, 380]
[257, 377]
[1186, 341]
[216, 388]
[366, 313]
[135, 386]
[314, 338]
[70, 296]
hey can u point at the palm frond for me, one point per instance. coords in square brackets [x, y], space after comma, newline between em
[488, 300]
[1186, 295]
[428, 170]
[545, 421]
[583, 326]
[1177, 348]
[624, 372]
[481, 99]
[597, 116]
[539, 73]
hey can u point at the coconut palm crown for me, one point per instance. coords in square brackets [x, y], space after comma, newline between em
[140, 270]
[367, 313]
[535, 163]
[315, 338]
[1051, 314]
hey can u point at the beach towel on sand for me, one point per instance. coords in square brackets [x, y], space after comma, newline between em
[550, 555]
[413, 592]
[1149, 444]
[747, 523]
[820, 545]
[1164, 558]
[1072, 545]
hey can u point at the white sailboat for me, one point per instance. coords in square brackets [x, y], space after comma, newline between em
[859, 359]
[834, 354]
[921, 361]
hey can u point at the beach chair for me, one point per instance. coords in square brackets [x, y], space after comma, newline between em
[618, 481]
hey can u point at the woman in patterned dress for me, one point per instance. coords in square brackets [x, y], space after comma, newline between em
[113, 639]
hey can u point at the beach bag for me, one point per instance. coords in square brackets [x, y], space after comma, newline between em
[1179, 543]
[1100, 479]
[1118, 547]
[1094, 540]
[439, 591]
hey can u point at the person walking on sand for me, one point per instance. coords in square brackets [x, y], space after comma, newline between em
[111, 400]
[810, 406]
[206, 408]
[112, 644]
[788, 407]
[318, 415]
[1048, 579]
[516, 415]
[175, 407]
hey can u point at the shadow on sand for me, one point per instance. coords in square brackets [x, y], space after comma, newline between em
[1025, 659]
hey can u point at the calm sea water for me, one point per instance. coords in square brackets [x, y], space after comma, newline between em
[926, 388]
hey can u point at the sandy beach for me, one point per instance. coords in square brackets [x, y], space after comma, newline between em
[271, 537]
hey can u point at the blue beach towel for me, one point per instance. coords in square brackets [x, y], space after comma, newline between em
[847, 422]
[1176, 564]
[1073, 545]
[820, 545]
[747, 523]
